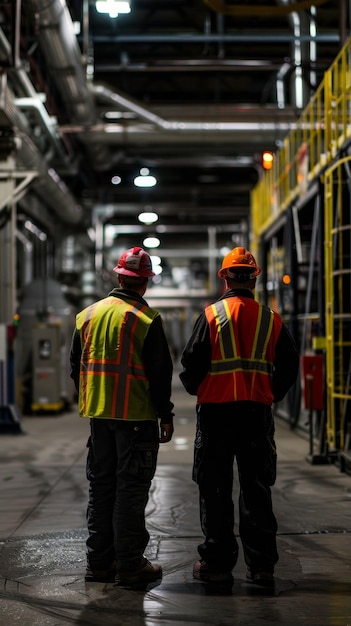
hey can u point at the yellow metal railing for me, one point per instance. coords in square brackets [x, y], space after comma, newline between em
[337, 195]
[319, 133]
[311, 150]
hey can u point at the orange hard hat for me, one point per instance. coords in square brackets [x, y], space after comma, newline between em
[240, 264]
[135, 262]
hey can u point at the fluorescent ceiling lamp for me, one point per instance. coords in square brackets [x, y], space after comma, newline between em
[155, 260]
[151, 242]
[112, 7]
[148, 217]
[145, 179]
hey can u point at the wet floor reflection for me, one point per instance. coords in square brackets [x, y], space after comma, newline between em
[43, 543]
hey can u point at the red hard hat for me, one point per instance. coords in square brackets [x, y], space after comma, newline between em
[236, 260]
[135, 262]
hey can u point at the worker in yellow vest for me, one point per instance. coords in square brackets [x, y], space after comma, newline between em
[122, 370]
[239, 360]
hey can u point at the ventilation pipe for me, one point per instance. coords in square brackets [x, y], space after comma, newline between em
[48, 185]
[59, 45]
[300, 25]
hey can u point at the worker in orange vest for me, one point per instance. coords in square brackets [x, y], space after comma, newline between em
[239, 360]
[122, 370]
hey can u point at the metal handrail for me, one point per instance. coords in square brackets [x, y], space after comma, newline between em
[322, 129]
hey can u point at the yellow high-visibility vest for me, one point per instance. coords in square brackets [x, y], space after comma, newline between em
[113, 383]
[243, 337]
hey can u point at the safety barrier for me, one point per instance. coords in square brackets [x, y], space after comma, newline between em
[319, 134]
[316, 148]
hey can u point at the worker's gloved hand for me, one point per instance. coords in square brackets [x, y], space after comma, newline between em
[166, 432]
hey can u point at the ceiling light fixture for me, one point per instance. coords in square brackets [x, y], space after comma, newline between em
[155, 260]
[112, 7]
[145, 179]
[151, 242]
[116, 180]
[148, 217]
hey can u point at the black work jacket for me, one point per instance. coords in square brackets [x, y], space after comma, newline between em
[156, 357]
[196, 357]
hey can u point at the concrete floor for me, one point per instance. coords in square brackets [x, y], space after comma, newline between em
[42, 537]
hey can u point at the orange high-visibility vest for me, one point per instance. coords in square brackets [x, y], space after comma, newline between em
[112, 381]
[243, 337]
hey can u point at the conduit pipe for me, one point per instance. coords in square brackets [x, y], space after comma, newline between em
[221, 6]
[59, 44]
[118, 99]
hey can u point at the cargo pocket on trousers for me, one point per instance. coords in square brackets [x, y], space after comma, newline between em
[199, 457]
[143, 459]
[270, 463]
[88, 470]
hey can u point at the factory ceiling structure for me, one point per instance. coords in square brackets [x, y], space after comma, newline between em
[100, 97]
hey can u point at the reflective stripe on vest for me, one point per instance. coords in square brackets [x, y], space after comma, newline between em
[230, 361]
[113, 381]
[240, 373]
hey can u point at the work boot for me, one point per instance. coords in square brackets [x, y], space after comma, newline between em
[201, 571]
[145, 573]
[261, 577]
[100, 575]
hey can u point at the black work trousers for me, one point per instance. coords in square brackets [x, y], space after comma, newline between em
[121, 463]
[245, 431]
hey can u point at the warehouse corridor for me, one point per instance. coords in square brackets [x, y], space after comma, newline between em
[42, 537]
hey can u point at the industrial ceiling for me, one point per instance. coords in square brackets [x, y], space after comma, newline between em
[192, 90]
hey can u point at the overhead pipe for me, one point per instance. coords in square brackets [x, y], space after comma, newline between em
[48, 185]
[58, 43]
[29, 99]
[292, 11]
[131, 105]
[57, 40]
[221, 6]
[267, 38]
[299, 26]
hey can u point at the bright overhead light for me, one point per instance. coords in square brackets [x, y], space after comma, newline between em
[145, 179]
[116, 180]
[148, 217]
[155, 260]
[151, 242]
[112, 7]
[157, 270]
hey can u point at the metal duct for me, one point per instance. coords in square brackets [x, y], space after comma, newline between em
[58, 43]
[183, 126]
[48, 185]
